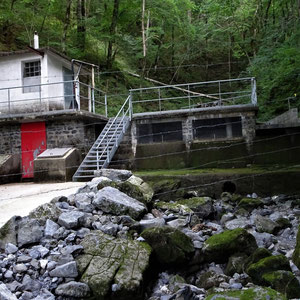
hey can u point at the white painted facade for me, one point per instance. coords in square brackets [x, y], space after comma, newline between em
[52, 94]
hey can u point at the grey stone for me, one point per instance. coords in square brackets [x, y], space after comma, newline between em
[20, 268]
[264, 224]
[73, 289]
[50, 228]
[83, 202]
[44, 295]
[71, 219]
[8, 232]
[177, 223]
[29, 284]
[238, 223]
[114, 174]
[29, 232]
[8, 274]
[144, 187]
[67, 270]
[74, 249]
[13, 286]
[24, 259]
[43, 251]
[111, 200]
[156, 222]
[11, 248]
[110, 229]
[226, 217]
[5, 293]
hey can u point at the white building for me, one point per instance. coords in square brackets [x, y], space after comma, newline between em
[40, 80]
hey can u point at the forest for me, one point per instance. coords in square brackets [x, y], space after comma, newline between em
[172, 41]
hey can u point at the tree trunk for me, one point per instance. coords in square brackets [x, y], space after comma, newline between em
[66, 25]
[112, 32]
[81, 29]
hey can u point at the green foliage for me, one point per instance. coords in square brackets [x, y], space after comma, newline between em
[186, 41]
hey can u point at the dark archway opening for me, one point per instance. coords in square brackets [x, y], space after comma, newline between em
[229, 187]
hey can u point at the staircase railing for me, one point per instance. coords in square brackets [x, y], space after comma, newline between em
[121, 120]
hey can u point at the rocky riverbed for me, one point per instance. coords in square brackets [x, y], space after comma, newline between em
[119, 238]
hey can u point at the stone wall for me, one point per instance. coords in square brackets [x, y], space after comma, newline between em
[10, 139]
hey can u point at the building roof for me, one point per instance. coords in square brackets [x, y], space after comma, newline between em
[40, 51]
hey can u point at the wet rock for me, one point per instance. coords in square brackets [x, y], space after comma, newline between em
[111, 200]
[73, 289]
[71, 219]
[169, 244]
[108, 259]
[29, 232]
[220, 247]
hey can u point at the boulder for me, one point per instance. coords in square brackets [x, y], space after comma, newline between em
[241, 222]
[142, 186]
[220, 247]
[173, 207]
[211, 279]
[83, 202]
[250, 203]
[46, 211]
[296, 254]
[114, 174]
[156, 222]
[264, 224]
[284, 282]
[256, 256]
[8, 232]
[202, 206]
[50, 228]
[170, 245]
[5, 293]
[73, 289]
[236, 264]
[71, 219]
[109, 260]
[66, 270]
[29, 232]
[267, 265]
[111, 200]
[254, 293]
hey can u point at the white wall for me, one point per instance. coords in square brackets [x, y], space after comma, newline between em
[50, 97]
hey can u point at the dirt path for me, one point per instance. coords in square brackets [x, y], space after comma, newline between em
[21, 198]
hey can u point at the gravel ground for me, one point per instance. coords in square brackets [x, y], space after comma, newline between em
[20, 198]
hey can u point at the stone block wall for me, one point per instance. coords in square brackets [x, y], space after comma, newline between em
[10, 139]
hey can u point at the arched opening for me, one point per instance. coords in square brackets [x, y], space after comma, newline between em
[229, 187]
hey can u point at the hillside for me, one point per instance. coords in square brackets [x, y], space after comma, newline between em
[171, 41]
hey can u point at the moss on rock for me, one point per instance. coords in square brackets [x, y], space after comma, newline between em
[203, 206]
[257, 255]
[169, 244]
[284, 282]
[107, 260]
[250, 203]
[255, 293]
[220, 247]
[174, 207]
[267, 265]
[236, 264]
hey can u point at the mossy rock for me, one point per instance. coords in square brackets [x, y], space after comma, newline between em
[257, 255]
[210, 280]
[284, 282]
[250, 203]
[8, 232]
[255, 293]
[46, 211]
[283, 223]
[296, 254]
[203, 206]
[169, 245]
[143, 187]
[236, 264]
[267, 265]
[168, 189]
[219, 247]
[173, 207]
[108, 260]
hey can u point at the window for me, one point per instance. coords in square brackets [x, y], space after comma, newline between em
[159, 132]
[31, 76]
[218, 128]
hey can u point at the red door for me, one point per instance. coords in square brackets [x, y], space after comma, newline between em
[33, 142]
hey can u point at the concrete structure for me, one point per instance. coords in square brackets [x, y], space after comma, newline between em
[58, 164]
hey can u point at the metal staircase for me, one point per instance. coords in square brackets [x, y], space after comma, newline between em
[107, 143]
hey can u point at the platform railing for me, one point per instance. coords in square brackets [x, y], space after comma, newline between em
[239, 91]
[54, 96]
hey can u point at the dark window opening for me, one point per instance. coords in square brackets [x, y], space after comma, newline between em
[229, 187]
[159, 132]
[217, 128]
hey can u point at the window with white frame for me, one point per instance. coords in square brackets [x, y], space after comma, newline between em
[31, 76]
